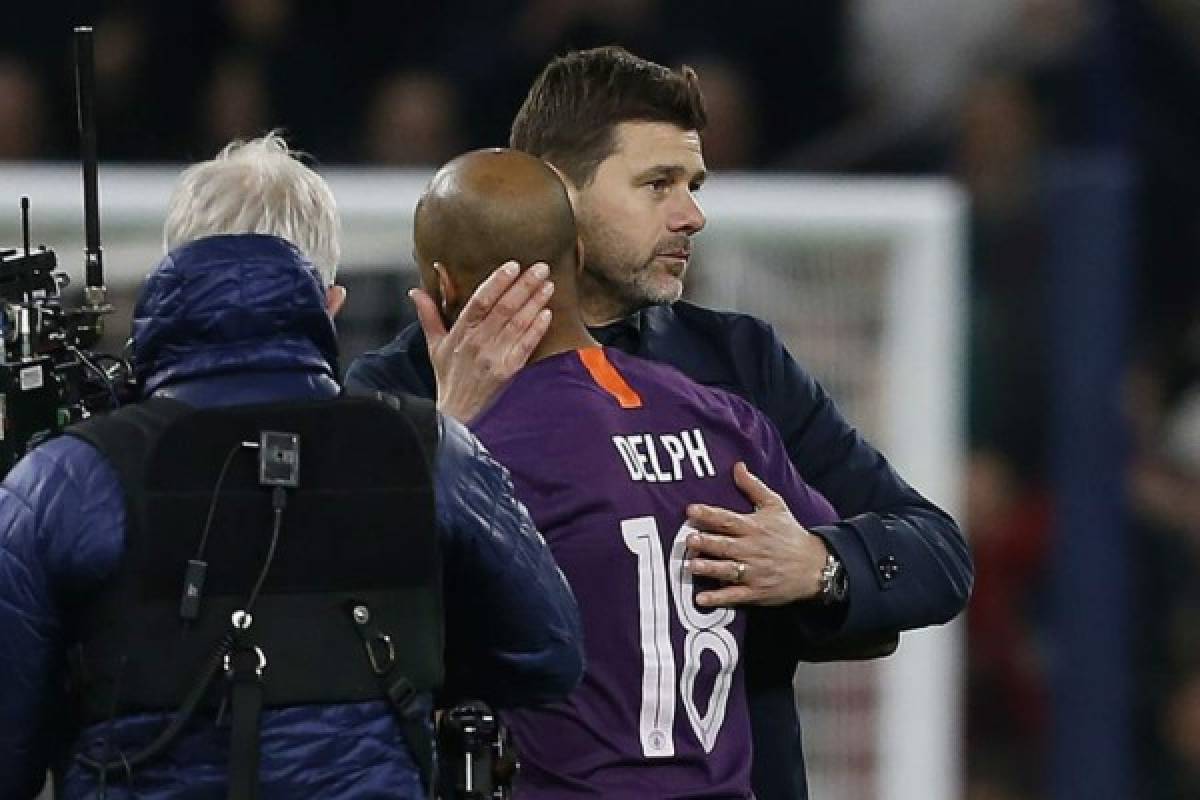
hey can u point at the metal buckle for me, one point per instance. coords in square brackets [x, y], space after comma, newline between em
[362, 617]
[258, 670]
[391, 652]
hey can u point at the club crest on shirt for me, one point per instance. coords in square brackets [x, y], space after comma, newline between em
[665, 457]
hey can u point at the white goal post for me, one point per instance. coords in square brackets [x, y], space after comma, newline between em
[864, 279]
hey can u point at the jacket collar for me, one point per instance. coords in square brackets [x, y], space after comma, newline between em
[231, 303]
[668, 338]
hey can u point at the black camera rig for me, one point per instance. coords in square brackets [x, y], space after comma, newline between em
[48, 376]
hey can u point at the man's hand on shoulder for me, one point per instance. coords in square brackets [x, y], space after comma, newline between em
[492, 338]
[765, 557]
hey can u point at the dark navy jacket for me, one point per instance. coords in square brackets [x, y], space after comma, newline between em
[224, 321]
[907, 561]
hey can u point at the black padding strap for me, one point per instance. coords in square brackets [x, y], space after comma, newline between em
[244, 666]
[395, 686]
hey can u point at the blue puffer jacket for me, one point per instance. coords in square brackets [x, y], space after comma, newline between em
[223, 321]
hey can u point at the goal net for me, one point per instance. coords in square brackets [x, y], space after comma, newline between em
[864, 280]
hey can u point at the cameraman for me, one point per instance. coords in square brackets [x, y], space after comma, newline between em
[240, 312]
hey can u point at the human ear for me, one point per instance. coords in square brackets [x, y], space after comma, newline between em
[447, 289]
[335, 298]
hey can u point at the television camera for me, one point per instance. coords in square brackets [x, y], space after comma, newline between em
[48, 376]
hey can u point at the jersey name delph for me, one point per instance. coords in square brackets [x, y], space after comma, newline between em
[608, 451]
[661, 457]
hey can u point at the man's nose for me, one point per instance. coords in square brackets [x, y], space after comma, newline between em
[687, 217]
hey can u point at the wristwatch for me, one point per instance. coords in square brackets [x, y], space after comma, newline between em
[834, 584]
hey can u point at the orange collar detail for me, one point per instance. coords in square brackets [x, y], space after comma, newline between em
[607, 378]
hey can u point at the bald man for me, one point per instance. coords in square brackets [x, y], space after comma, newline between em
[500, 206]
[609, 452]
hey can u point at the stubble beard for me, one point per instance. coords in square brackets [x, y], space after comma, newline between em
[612, 291]
[614, 287]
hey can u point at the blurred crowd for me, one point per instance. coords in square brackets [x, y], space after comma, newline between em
[987, 91]
[398, 83]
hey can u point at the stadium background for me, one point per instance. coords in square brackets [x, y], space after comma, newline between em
[1069, 125]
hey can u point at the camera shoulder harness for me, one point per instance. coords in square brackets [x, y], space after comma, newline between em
[341, 605]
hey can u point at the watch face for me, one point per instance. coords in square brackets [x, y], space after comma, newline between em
[840, 584]
[834, 582]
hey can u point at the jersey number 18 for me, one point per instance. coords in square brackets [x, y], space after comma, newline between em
[705, 631]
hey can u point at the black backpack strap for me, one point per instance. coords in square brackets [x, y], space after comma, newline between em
[244, 665]
[397, 689]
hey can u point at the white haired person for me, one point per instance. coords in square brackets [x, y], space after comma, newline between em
[260, 186]
[238, 317]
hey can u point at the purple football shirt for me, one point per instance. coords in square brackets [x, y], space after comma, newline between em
[607, 450]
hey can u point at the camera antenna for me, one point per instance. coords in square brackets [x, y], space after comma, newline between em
[85, 99]
[25, 223]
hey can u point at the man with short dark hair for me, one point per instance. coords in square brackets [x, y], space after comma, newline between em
[609, 452]
[625, 134]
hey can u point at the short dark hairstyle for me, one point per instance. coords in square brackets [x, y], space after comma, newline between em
[573, 108]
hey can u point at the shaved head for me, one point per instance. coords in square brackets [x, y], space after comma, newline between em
[488, 207]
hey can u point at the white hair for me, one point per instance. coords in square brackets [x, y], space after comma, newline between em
[257, 187]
